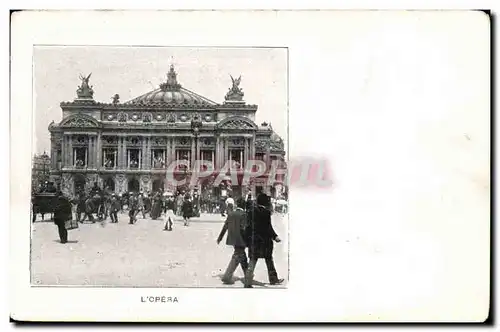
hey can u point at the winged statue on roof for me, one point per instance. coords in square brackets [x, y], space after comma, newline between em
[85, 90]
[236, 82]
[235, 93]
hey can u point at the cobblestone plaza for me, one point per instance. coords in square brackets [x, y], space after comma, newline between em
[143, 255]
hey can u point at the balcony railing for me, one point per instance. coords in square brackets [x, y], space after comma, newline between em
[158, 165]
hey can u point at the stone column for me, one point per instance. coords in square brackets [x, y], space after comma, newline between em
[119, 150]
[168, 152]
[124, 154]
[64, 149]
[226, 150]
[70, 151]
[99, 151]
[268, 153]
[252, 148]
[197, 148]
[143, 153]
[148, 153]
[217, 152]
[245, 152]
[90, 152]
[172, 152]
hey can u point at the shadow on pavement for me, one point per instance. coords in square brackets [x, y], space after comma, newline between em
[69, 241]
[240, 279]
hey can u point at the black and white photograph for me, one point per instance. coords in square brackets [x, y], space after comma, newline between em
[157, 167]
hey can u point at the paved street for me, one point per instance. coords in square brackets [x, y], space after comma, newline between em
[144, 255]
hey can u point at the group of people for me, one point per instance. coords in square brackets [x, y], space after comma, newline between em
[248, 226]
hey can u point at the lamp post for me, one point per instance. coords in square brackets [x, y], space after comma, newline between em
[196, 125]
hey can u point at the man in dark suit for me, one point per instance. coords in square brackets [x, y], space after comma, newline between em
[235, 225]
[133, 206]
[62, 212]
[259, 236]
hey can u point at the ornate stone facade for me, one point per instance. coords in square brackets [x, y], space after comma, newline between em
[127, 144]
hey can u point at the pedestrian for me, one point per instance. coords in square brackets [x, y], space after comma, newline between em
[157, 206]
[235, 226]
[133, 205]
[147, 205]
[169, 215]
[62, 213]
[115, 206]
[179, 201]
[89, 209]
[140, 205]
[187, 209]
[249, 202]
[259, 236]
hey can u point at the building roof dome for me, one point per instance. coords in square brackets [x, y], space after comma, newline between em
[171, 92]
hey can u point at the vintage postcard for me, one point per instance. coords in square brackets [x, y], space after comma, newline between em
[155, 167]
[250, 166]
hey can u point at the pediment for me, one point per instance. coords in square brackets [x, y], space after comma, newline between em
[237, 122]
[80, 121]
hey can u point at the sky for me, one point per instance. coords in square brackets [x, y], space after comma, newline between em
[133, 71]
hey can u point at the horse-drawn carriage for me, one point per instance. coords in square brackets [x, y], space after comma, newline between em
[43, 203]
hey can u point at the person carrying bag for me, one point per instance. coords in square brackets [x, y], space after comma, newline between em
[63, 217]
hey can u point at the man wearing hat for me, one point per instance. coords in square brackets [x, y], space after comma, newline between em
[133, 206]
[260, 235]
[115, 206]
[62, 212]
[235, 227]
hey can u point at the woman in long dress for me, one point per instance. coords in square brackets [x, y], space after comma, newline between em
[187, 209]
[157, 205]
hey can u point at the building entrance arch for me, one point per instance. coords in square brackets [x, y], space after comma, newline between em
[133, 185]
[79, 183]
[109, 184]
[158, 185]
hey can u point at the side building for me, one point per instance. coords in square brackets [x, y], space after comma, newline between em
[40, 172]
[129, 146]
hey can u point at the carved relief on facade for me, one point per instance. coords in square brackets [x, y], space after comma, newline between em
[207, 117]
[159, 117]
[100, 181]
[170, 117]
[134, 117]
[145, 183]
[237, 124]
[120, 183]
[89, 181]
[277, 145]
[67, 185]
[80, 140]
[261, 145]
[182, 141]
[158, 141]
[134, 141]
[79, 123]
[207, 141]
[109, 116]
[122, 117]
[237, 142]
[109, 140]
